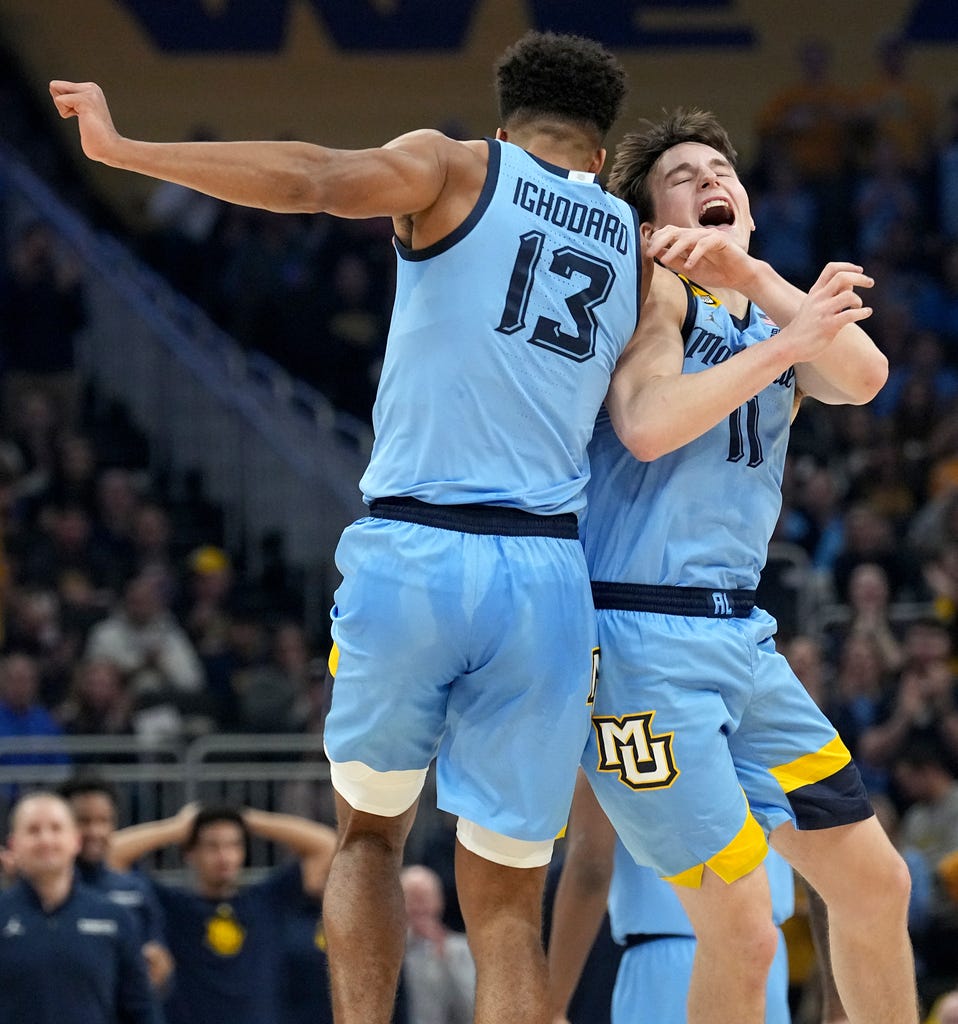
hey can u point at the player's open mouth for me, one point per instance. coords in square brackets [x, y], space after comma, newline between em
[716, 213]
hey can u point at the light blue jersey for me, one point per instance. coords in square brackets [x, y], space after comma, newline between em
[651, 985]
[704, 741]
[464, 625]
[502, 342]
[698, 531]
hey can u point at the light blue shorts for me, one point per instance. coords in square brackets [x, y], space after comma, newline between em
[652, 983]
[475, 648]
[704, 741]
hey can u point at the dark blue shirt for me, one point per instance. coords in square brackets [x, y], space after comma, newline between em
[229, 953]
[77, 964]
[127, 889]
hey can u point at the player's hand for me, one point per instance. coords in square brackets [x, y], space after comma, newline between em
[711, 258]
[831, 304]
[85, 101]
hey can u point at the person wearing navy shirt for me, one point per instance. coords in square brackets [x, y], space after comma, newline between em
[94, 805]
[67, 954]
[227, 940]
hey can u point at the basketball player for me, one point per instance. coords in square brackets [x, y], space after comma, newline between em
[652, 980]
[463, 628]
[703, 741]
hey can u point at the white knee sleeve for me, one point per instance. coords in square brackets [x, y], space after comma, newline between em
[500, 849]
[387, 794]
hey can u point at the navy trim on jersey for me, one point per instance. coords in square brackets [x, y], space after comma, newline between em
[841, 799]
[457, 234]
[488, 520]
[640, 939]
[741, 322]
[563, 172]
[690, 313]
[699, 602]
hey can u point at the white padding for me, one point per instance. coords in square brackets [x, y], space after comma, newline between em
[387, 794]
[500, 849]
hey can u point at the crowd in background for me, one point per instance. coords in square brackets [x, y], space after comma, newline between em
[124, 614]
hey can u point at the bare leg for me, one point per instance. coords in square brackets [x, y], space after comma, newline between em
[502, 908]
[364, 916]
[865, 886]
[736, 944]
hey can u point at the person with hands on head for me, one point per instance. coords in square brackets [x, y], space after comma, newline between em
[701, 760]
[226, 937]
[464, 621]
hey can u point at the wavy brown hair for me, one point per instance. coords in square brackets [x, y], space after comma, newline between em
[639, 151]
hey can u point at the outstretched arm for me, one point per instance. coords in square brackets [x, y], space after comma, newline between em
[402, 178]
[128, 845]
[850, 370]
[312, 842]
[581, 896]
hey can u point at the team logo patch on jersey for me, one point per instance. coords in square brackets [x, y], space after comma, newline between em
[224, 934]
[627, 746]
[707, 297]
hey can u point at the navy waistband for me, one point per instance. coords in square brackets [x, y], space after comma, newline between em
[641, 938]
[491, 520]
[695, 601]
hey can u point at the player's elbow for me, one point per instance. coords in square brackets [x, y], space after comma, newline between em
[646, 443]
[872, 379]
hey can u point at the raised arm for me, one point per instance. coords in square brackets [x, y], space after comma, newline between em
[402, 178]
[312, 842]
[128, 845]
[850, 370]
[581, 896]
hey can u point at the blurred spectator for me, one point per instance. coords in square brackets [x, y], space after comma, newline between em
[805, 658]
[41, 309]
[815, 520]
[274, 696]
[161, 668]
[98, 703]
[869, 615]
[20, 714]
[885, 197]
[923, 704]
[945, 1010]
[70, 955]
[94, 805]
[941, 575]
[787, 211]
[930, 822]
[862, 687]
[438, 969]
[65, 544]
[35, 628]
[807, 121]
[896, 109]
[117, 500]
[868, 537]
[947, 174]
[226, 939]
[152, 543]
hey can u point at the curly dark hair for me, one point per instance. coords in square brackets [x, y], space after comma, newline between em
[638, 152]
[545, 76]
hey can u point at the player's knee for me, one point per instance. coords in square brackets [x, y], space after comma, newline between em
[500, 849]
[388, 794]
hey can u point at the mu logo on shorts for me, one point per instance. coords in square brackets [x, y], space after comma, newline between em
[628, 746]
